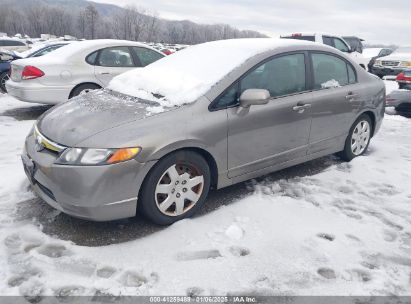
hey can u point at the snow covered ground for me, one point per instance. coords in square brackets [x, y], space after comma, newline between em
[345, 229]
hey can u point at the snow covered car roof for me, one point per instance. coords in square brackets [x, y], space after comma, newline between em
[188, 74]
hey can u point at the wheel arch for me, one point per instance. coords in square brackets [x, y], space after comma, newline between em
[371, 115]
[80, 84]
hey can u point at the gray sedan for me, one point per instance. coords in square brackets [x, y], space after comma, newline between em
[105, 155]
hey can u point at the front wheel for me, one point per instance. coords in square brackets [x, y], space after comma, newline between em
[358, 139]
[3, 78]
[175, 188]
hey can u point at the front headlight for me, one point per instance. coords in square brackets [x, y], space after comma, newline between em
[377, 62]
[90, 157]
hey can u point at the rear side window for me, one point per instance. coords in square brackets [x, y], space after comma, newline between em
[146, 56]
[115, 57]
[91, 59]
[331, 71]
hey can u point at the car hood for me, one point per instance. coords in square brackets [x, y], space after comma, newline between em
[397, 57]
[84, 116]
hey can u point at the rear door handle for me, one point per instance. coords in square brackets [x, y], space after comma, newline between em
[105, 73]
[300, 108]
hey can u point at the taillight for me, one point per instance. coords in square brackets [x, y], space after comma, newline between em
[31, 72]
[400, 76]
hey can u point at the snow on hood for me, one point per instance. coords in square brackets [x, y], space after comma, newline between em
[186, 75]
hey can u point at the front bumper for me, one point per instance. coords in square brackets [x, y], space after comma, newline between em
[98, 193]
[386, 71]
[34, 92]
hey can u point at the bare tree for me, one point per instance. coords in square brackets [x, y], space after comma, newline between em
[92, 15]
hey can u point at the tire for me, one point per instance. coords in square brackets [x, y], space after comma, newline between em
[401, 86]
[3, 78]
[363, 140]
[162, 187]
[83, 88]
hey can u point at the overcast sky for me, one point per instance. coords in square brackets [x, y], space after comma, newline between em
[376, 21]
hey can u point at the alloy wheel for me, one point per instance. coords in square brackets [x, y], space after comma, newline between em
[179, 189]
[360, 137]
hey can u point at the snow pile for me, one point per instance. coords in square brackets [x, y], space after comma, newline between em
[330, 84]
[186, 75]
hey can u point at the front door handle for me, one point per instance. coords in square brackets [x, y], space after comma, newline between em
[351, 96]
[300, 108]
[105, 73]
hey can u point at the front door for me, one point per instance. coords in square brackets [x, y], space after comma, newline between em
[277, 132]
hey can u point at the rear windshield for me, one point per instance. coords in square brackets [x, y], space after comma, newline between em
[298, 37]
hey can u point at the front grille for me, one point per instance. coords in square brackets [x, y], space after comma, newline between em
[46, 191]
[390, 63]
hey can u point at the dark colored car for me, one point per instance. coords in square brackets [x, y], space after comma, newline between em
[404, 79]
[7, 57]
[400, 100]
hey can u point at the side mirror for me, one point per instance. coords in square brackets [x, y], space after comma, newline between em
[252, 97]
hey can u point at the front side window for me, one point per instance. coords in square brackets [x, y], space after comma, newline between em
[146, 56]
[115, 57]
[331, 71]
[280, 76]
[340, 45]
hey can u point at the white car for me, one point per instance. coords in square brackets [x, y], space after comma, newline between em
[76, 68]
[393, 64]
[11, 44]
[332, 40]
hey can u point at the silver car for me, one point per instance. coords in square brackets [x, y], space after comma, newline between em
[104, 155]
[76, 68]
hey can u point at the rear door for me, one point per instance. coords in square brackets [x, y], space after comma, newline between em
[113, 61]
[336, 98]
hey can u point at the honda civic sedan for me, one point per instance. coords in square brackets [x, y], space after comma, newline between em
[212, 115]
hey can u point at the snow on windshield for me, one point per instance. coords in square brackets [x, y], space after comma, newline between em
[186, 75]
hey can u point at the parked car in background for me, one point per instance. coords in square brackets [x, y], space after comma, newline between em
[355, 43]
[404, 79]
[163, 144]
[393, 64]
[373, 54]
[400, 100]
[167, 51]
[76, 68]
[334, 41]
[37, 51]
[11, 44]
